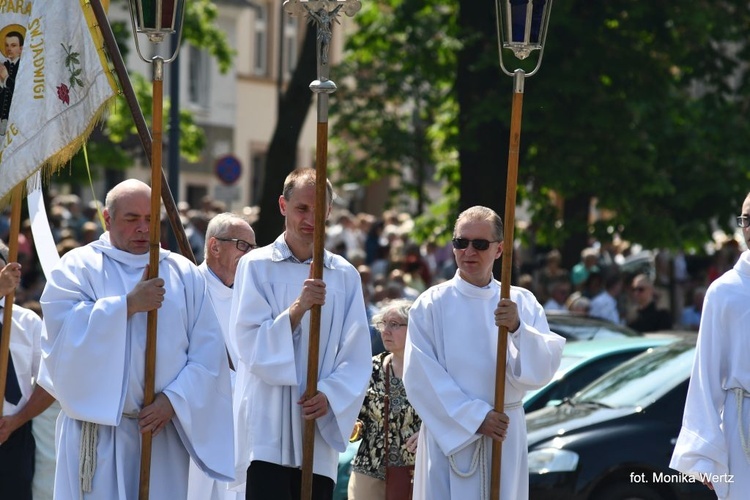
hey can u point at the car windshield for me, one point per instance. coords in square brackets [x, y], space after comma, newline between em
[641, 380]
[585, 328]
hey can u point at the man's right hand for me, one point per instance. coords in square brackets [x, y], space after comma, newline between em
[313, 293]
[147, 295]
[495, 425]
[10, 278]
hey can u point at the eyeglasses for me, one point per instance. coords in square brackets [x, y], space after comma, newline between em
[463, 243]
[391, 325]
[743, 221]
[639, 289]
[242, 245]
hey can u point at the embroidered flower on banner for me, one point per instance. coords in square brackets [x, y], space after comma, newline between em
[72, 62]
[63, 93]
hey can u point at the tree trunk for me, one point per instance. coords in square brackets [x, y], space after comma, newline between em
[576, 212]
[483, 148]
[282, 152]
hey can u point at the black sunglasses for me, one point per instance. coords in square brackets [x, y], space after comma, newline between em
[242, 245]
[463, 243]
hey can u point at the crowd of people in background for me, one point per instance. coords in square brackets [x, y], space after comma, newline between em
[661, 293]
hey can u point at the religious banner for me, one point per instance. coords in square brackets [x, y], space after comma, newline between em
[54, 85]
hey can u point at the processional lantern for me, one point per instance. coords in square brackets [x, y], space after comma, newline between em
[156, 19]
[522, 30]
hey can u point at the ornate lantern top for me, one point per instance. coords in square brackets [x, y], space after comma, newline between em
[157, 19]
[522, 28]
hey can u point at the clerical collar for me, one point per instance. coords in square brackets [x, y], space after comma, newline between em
[282, 252]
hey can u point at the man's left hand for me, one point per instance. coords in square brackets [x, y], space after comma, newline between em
[506, 314]
[8, 426]
[155, 416]
[314, 407]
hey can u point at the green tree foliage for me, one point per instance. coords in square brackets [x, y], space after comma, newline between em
[641, 105]
[116, 144]
[396, 115]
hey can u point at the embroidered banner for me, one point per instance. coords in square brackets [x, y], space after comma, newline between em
[54, 85]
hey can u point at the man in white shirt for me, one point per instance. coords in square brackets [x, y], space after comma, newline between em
[23, 401]
[228, 238]
[270, 328]
[713, 444]
[95, 311]
[604, 305]
[450, 363]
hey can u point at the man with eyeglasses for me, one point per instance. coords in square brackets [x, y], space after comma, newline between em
[450, 364]
[228, 238]
[714, 443]
[96, 305]
[270, 324]
[23, 400]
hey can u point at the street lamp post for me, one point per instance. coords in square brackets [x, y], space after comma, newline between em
[522, 30]
[156, 19]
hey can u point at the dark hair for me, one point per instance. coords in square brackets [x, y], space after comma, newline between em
[16, 34]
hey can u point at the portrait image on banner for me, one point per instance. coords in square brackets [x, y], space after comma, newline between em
[55, 83]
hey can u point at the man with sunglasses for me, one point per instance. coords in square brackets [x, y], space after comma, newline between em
[96, 305]
[649, 318]
[714, 444]
[450, 365]
[23, 401]
[228, 238]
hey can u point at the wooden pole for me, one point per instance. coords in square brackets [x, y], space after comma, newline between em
[15, 225]
[507, 268]
[140, 124]
[153, 268]
[319, 234]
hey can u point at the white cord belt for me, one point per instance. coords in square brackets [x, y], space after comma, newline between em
[478, 457]
[87, 452]
[739, 395]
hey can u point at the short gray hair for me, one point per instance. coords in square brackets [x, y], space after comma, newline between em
[218, 226]
[480, 213]
[400, 307]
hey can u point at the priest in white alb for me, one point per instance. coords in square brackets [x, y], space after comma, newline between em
[270, 325]
[93, 361]
[714, 442]
[228, 238]
[450, 365]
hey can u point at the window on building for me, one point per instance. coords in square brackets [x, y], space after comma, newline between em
[199, 76]
[260, 56]
[291, 44]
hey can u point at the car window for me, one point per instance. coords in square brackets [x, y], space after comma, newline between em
[643, 379]
[578, 378]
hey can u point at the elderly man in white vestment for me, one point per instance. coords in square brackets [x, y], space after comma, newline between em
[95, 307]
[714, 442]
[450, 365]
[228, 238]
[270, 326]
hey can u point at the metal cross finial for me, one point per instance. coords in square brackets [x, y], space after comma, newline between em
[323, 13]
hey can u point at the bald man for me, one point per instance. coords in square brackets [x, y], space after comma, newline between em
[95, 305]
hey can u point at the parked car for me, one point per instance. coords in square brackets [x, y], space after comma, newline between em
[613, 440]
[577, 327]
[584, 362]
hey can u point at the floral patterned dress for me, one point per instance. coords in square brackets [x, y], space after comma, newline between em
[403, 422]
